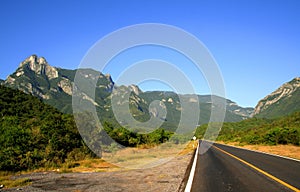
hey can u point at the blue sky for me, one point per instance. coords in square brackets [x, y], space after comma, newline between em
[256, 43]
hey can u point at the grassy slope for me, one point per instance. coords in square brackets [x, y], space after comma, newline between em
[283, 130]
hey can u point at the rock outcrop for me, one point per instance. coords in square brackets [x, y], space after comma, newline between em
[281, 98]
[39, 65]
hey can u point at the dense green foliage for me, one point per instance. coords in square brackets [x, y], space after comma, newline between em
[130, 138]
[283, 130]
[34, 135]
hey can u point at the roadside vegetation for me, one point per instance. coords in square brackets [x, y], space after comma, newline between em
[284, 130]
[7, 182]
[36, 136]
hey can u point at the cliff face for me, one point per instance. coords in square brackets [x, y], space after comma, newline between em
[282, 101]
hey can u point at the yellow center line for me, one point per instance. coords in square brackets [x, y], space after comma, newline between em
[261, 171]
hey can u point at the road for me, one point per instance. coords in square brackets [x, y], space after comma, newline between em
[225, 168]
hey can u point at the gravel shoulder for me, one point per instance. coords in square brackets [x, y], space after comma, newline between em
[166, 177]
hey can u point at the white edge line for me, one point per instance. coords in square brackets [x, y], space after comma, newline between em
[188, 186]
[284, 157]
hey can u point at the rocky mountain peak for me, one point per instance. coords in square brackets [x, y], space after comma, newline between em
[39, 65]
[33, 60]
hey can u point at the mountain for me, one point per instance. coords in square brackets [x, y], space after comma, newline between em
[55, 86]
[244, 112]
[283, 101]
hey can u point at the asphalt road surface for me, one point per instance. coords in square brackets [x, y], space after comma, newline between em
[225, 168]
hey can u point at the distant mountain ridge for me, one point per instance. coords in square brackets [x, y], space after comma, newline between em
[55, 86]
[283, 101]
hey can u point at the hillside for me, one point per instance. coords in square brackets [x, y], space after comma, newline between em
[34, 134]
[281, 102]
[55, 87]
[282, 130]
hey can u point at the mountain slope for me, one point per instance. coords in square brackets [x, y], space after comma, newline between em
[34, 134]
[55, 87]
[280, 130]
[283, 101]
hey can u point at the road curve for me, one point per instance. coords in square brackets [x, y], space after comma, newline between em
[225, 168]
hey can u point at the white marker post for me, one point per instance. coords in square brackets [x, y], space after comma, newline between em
[194, 138]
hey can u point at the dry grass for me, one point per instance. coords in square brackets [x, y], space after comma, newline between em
[87, 165]
[8, 182]
[135, 158]
[127, 158]
[132, 158]
[190, 146]
[283, 150]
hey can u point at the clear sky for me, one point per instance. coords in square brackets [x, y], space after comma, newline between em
[256, 43]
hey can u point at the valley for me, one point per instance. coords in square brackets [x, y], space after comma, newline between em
[37, 122]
